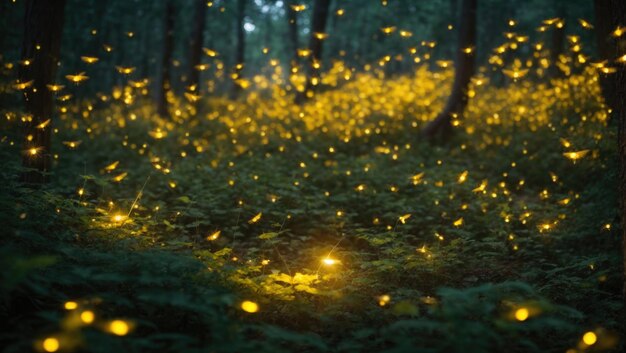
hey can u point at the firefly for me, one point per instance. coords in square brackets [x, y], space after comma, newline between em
[255, 218]
[79, 77]
[89, 59]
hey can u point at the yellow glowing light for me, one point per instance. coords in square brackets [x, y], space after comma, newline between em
[214, 235]
[329, 262]
[544, 227]
[119, 327]
[111, 166]
[458, 222]
[210, 52]
[139, 84]
[125, 70]
[157, 134]
[384, 299]
[71, 305]
[55, 88]
[516, 73]
[63, 99]
[417, 178]
[444, 63]
[463, 177]
[23, 85]
[590, 338]
[304, 52]
[44, 124]
[87, 316]
[608, 70]
[403, 218]
[522, 314]
[72, 144]
[584, 24]
[481, 187]
[51, 344]
[89, 59]
[574, 156]
[255, 218]
[118, 218]
[565, 143]
[298, 7]
[249, 306]
[79, 77]
[119, 177]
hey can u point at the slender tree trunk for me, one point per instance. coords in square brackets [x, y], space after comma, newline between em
[454, 13]
[197, 39]
[292, 25]
[609, 49]
[318, 26]
[609, 15]
[464, 70]
[168, 46]
[146, 35]
[43, 26]
[4, 21]
[240, 48]
[558, 41]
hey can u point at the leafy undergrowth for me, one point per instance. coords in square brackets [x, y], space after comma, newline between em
[259, 225]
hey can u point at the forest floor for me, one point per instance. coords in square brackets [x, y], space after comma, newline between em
[260, 225]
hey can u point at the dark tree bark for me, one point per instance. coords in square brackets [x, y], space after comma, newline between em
[609, 15]
[197, 39]
[292, 25]
[558, 41]
[454, 13]
[240, 47]
[166, 60]
[318, 25]
[464, 70]
[43, 26]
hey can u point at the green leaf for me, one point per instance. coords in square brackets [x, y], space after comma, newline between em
[269, 235]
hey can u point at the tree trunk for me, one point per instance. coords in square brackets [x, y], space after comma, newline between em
[464, 70]
[318, 25]
[168, 46]
[609, 15]
[43, 26]
[240, 47]
[292, 25]
[454, 14]
[197, 39]
[558, 42]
